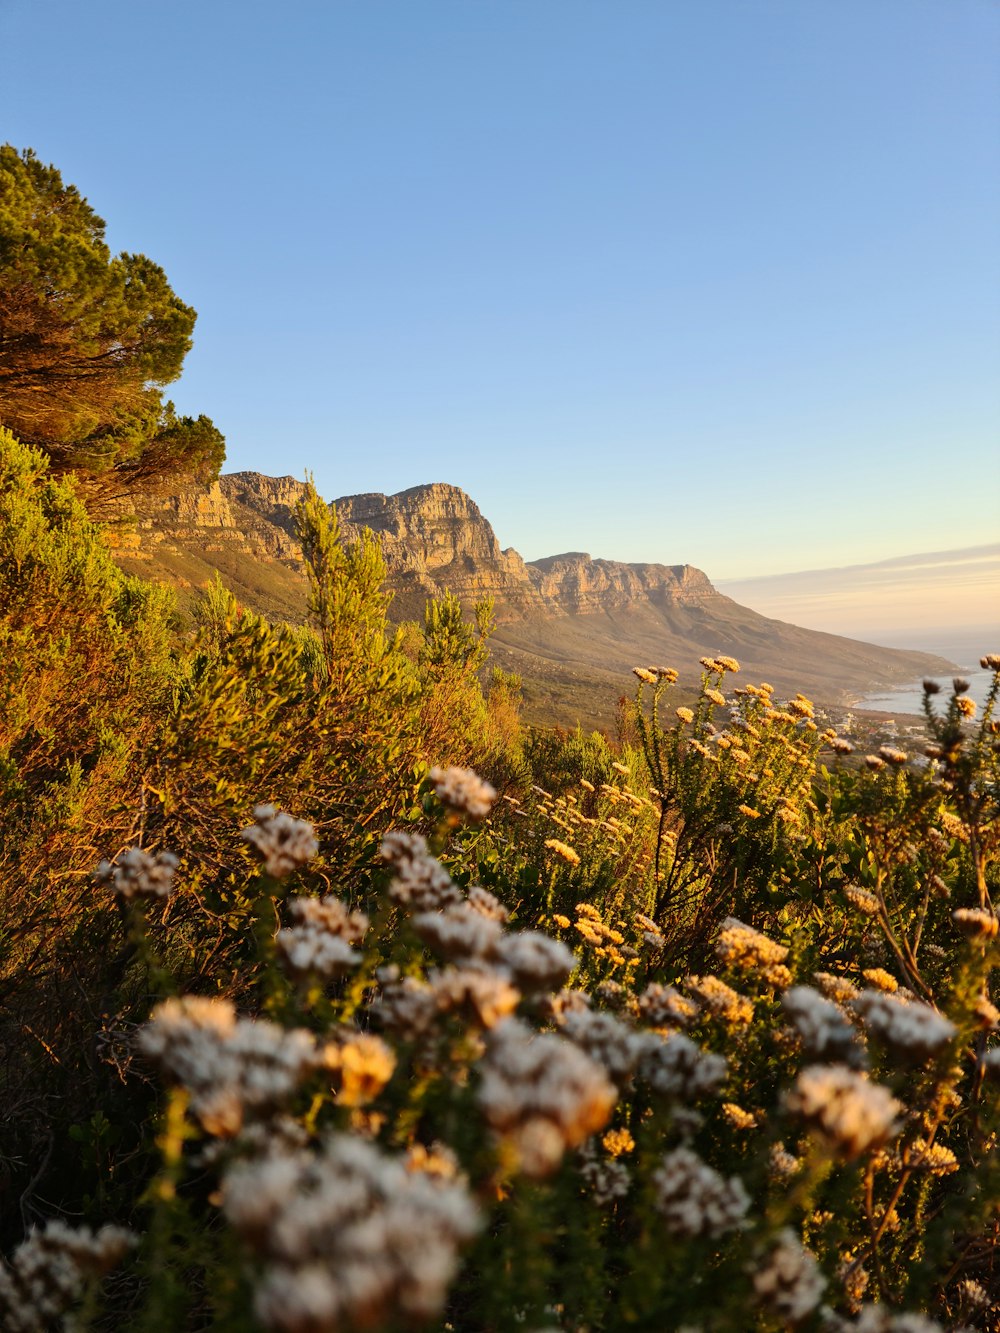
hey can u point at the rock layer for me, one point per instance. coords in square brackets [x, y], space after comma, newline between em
[570, 611]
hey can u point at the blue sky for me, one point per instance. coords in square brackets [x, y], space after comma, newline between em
[704, 281]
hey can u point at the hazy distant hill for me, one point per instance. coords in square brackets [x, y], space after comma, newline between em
[573, 626]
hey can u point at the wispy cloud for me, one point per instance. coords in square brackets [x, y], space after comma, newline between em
[934, 591]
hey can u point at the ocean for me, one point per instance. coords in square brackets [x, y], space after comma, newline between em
[964, 647]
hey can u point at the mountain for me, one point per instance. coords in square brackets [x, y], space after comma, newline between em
[571, 625]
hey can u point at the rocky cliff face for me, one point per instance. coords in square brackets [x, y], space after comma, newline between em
[568, 613]
[434, 538]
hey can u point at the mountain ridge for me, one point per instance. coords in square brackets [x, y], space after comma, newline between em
[567, 617]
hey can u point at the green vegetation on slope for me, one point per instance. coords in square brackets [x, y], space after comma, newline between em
[692, 1031]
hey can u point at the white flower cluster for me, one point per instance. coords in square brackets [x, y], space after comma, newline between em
[481, 995]
[541, 1095]
[469, 931]
[318, 943]
[606, 1179]
[473, 930]
[837, 989]
[282, 843]
[48, 1272]
[138, 874]
[347, 1236]
[407, 1007]
[911, 1028]
[565, 1002]
[231, 1067]
[822, 1028]
[464, 791]
[675, 1068]
[845, 1108]
[789, 1283]
[486, 903]
[459, 932]
[606, 1040]
[420, 883]
[536, 962]
[694, 1200]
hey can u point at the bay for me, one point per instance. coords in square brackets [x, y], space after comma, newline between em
[963, 647]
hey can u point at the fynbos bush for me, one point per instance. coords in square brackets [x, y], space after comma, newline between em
[698, 1034]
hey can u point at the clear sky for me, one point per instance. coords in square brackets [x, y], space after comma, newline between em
[704, 281]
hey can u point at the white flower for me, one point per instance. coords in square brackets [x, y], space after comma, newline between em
[741, 946]
[663, 1006]
[822, 1028]
[463, 790]
[137, 874]
[486, 903]
[319, 943]
[863, 900]
[976, 922]
[910, 1027]
[459, 932]
[837, 989]
[789, 1283]
[606, 1180]
[483, 994]
[408, 1008]
[541, 1094]
[694, 1200]
[606, 1040]
[348, 1236]
[282, 843]
[721, 1000]
[47, 1273]
[676, 1068]
[421, 883]
[230, 1066]
[877, 1319]
[850, 1112]
[536, 962]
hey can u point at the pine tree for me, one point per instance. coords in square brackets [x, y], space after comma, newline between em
[88, 341]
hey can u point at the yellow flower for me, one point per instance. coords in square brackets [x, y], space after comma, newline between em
[881, 979]
[618, 1141]
[563, 922]
[737, 1117]
[563, 850]
[365, 1065]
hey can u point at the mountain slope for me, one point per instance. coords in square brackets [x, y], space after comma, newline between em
[573, 626]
